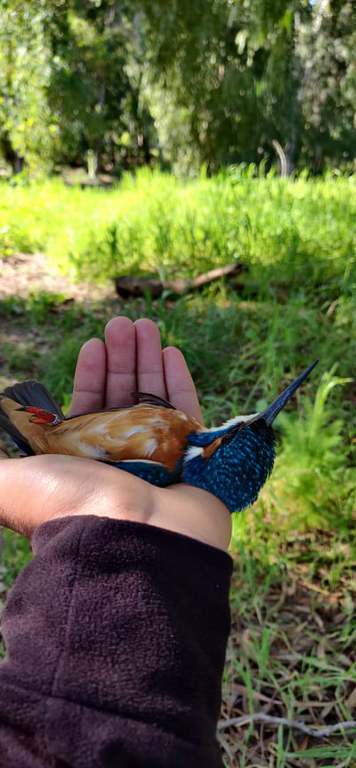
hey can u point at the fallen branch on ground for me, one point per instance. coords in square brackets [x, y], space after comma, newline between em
[137, 286]
[261, 717]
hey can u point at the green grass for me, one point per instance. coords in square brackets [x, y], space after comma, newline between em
[156, 222]
[293, 631]
[290, 655]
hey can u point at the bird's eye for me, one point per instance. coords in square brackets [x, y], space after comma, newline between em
[232, 432]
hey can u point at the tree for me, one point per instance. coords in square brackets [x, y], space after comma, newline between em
[213, 82]
[241, 75]
[27, 132]
[329, 86]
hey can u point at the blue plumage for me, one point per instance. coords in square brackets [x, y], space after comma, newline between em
[238, 468]
[241, 453]
[152, 472]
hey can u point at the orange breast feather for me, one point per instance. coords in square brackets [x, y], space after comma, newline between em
[140, 432]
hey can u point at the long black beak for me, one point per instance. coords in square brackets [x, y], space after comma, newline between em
[273, 410]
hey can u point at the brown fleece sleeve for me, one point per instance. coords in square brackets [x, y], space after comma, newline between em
[115, 635]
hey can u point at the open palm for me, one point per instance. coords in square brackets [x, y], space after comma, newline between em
[107, 375]
[131, 360]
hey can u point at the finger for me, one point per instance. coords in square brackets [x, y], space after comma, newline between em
[89, 379]
[180, 385]
[150, 375]
[120, 340]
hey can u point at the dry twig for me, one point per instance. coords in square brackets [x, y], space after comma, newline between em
[261, 717]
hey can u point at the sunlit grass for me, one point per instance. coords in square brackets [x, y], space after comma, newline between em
[294, 230]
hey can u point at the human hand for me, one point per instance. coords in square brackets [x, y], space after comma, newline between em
[45, 487]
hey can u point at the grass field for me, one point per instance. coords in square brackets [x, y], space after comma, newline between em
[291, 653]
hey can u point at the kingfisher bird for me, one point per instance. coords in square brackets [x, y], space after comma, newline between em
[153, 440]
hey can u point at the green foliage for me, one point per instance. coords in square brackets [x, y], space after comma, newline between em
[28, 132]
[313, 484]
[286, 646]
[17, 553]
[25, 222]
[114, 85]
[346, 754]
[88, 81]
[238, 76]
[297, 233]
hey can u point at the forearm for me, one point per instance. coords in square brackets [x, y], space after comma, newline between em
[116, 636]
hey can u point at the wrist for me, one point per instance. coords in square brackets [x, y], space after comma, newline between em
[195, 513]
[112, 493]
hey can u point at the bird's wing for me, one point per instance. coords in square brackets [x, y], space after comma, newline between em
[142, 432]
[147, 399]
[152, 471]
[141, 398]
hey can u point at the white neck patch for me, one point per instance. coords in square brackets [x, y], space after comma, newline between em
[194, 450]
[232, 423]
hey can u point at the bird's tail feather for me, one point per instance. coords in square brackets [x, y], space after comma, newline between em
[27, 393]
[33, 393]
